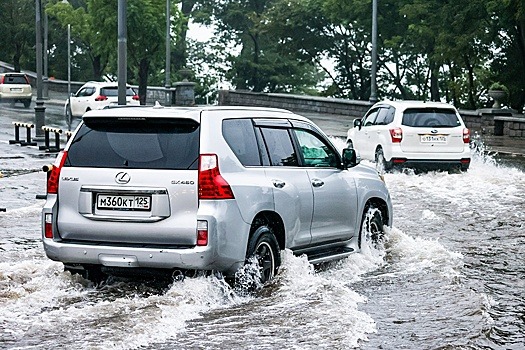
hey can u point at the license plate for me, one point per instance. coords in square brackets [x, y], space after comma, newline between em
[121, 202]
[16, 89]
[433, 138]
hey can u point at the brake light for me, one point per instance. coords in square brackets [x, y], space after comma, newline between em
[211, 184]
[396, 134]
[101, 98]
[135, 98]
[466, 135]
[48, 225]
[2, 79]
[202, 232]
[54, 175]
[27, 80]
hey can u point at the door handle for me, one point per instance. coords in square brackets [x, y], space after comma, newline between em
[317, 183]
[278, 183]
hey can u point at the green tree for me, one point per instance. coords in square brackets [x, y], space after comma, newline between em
[17, 26]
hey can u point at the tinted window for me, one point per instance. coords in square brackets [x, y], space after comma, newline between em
[385, 116]
[151, 144]
[370, 118]
[279, 146]
[86, 91]
[240, 136]
[15, 79]
[431, 117]
[314, 151]
[113, 91]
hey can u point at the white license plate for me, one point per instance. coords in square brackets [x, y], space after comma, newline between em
[16, 89]
[119, 202]
[433, 138]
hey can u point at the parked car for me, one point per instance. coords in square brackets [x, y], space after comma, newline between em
[149, 189]
[96, 95]
[421, 135]
[15, 87]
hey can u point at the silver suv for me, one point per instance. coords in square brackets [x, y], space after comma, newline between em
[149, 189]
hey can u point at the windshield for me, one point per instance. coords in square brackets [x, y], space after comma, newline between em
[431, 117]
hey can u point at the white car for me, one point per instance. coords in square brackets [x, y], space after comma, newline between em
[15, 87]
[412, 134]
[97, 95]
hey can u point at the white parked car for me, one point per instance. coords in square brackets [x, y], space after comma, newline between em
[412, 134]
[96, 95]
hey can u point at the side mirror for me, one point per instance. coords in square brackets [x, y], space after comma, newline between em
[357, 123]
[350, 158]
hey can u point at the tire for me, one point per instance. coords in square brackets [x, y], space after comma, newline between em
[264, 247]
[27, 103]
[372, 228]
[382, 166]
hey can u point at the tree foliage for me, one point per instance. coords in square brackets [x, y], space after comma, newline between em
[427, 49]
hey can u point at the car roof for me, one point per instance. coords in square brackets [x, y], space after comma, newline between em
[404, 104]
[13, 73]
[194, 112]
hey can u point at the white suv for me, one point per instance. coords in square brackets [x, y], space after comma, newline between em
[15, 87]
[144, 189]
[421, 135]
[96, 95]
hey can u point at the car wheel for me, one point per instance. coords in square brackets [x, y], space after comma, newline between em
[372, 227]
[264, 248]
[382, 166]
[27, 103]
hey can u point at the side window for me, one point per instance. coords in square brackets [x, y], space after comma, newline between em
[279, 146]
[370, 118]
[390, 115]
[382, 116]
[314, 151]
[240, 136]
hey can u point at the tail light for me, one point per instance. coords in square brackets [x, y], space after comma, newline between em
[211, 184]
[202, 232]
[2, 79]
[54, 175]
[396, 134]
[48, 225]
[466, 135]
[101, 98]
[27, 80]
[135, 98]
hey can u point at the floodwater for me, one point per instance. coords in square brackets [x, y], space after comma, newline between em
[450, 276]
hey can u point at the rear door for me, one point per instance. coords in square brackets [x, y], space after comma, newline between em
[81, 100]
[292, 192]
[432, 130]
[131, 182]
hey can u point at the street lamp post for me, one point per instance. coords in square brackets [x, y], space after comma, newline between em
[40, 109]
[168, 53]
[373, 77]
[122, 52]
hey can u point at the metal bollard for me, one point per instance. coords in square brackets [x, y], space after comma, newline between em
[46, 146]
[17, 139]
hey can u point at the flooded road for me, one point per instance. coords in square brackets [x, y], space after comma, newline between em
[451, 276]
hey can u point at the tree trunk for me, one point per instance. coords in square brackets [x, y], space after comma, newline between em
[143, 80]
[434, 82]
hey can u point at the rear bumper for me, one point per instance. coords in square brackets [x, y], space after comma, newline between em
[431, 164]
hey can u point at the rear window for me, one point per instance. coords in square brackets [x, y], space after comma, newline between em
[15, 79]
[430, 117]
[113, 91]
[136, 144]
